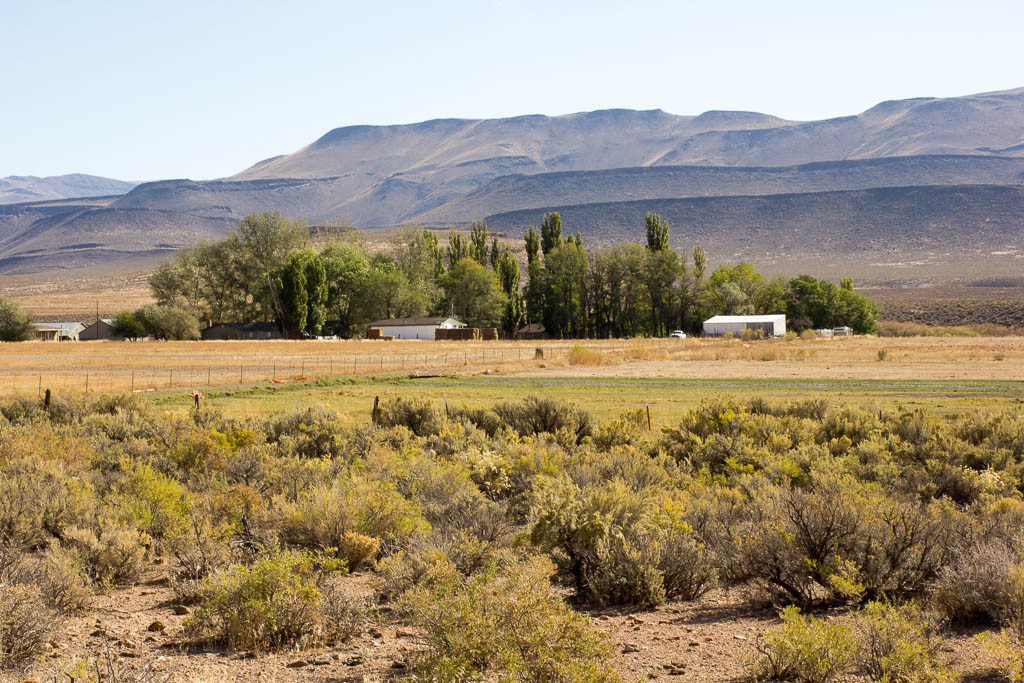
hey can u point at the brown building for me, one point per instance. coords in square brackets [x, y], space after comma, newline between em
[101, 329]
[250, 331]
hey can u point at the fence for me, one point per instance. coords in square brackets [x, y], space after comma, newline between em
[121, 375]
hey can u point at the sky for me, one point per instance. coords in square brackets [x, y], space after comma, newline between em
[189, 89]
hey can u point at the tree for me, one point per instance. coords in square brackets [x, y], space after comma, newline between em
[534, 299]
[550, 232]
[387, 293]
[657, 232]
[231, 280]
[294, 297]
[15, 324]
[618, 291]
[168, 321]
[316, 294]
[727, 298]
[420, 259]
[565, 295]
[127, 325]
[772, 297]
[346, 269]
[507, 267]
[478, 243]
[458, 248]
[473, 294]
[662, 269]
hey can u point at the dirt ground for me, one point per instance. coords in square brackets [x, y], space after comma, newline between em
[136, 631]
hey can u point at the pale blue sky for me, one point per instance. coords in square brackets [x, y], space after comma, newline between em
[203, 89]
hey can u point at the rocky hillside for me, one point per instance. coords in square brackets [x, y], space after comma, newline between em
[879, 233]
[18, 189]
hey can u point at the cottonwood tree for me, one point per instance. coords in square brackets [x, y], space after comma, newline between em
[473, 293]
[15, 324]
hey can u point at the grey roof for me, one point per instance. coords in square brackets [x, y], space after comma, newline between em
[773, 318]
[66, 329]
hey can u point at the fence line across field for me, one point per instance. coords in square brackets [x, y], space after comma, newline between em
[283, 369]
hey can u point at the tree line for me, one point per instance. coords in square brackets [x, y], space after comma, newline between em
[267, 270]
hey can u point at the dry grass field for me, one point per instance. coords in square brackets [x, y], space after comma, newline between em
[244, 378]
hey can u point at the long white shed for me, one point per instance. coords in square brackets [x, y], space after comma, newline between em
[771, 325]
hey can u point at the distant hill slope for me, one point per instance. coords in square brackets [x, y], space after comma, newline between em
[952, 230]
[454, 170]
[70, 233]
[509, 193]
[395, 173]
[18, 189]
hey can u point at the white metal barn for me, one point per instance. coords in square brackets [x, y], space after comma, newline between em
[770, 325]
[414, 328]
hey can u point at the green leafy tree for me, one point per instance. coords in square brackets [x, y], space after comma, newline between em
[14, 322]
[507, 267]
[458, 248]
[127, 325]
[657, 232]
[316, 294]
[346, 269]
[387, 292]
[566, 297]
[473, 294]
[551, 232]
[173, 321]
[534, 298]
[662, 269]
[478, 245]
[293, 295]
[618, 291]
[420, 259]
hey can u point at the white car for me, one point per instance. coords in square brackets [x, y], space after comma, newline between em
[677, 334]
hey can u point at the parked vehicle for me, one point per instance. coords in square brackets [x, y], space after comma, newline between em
[677, 334]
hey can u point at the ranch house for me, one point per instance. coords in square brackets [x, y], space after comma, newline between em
[413, 328]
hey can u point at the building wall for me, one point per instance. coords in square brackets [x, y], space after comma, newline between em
[425, 332]
[720, 329]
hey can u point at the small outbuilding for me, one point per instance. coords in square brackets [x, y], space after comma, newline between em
[101, 329]
[413, 328]
[246, 331]
[532, 331]
[57, 331]
[769, 325]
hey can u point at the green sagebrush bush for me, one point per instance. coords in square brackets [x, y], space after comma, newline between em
[27, 625]
[417, 415]
[276, 602]
[836, 541]
[803, 649]
[315, 432]
[113, 555]
[898, 644]
[57, 574]
[505, 624]
[322, 517]
[39, 499]
[621, 546]
[540, 415]
[983, 583]
[437, 557]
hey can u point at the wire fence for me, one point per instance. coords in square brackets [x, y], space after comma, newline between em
[133, 375]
